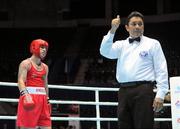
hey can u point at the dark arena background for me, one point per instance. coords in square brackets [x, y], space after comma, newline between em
[74, 30]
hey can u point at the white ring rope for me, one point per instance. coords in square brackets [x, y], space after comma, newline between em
[96, 102]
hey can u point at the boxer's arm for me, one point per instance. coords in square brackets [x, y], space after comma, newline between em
[22, 73]
[46, 81]
[47, 90]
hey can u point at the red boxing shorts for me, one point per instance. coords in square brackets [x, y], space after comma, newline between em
[39, 115]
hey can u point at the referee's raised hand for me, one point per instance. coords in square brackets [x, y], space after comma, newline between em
[115, 24]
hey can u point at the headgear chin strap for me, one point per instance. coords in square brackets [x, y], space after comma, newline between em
[35, 46]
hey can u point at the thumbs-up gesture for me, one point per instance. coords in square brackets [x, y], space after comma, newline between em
[115, 24]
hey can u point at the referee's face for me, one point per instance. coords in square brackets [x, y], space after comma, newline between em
[135, 27]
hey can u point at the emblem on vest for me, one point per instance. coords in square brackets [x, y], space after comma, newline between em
[43, 77]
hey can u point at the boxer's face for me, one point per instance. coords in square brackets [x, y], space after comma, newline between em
[43, 52]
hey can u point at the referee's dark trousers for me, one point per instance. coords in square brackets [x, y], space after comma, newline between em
[135, 100]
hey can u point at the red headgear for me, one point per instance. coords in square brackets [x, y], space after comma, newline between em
[35, 46]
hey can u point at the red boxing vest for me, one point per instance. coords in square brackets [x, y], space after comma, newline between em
[36, 78]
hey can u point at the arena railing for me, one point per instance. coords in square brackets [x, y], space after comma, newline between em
[96, 103]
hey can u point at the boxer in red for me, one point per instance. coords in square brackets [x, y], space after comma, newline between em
[34, 109]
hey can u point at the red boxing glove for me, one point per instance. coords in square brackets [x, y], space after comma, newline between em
[28, 102]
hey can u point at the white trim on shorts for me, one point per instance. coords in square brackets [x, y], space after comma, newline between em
[36, 90]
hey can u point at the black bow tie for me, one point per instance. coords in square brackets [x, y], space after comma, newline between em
[131, 40]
